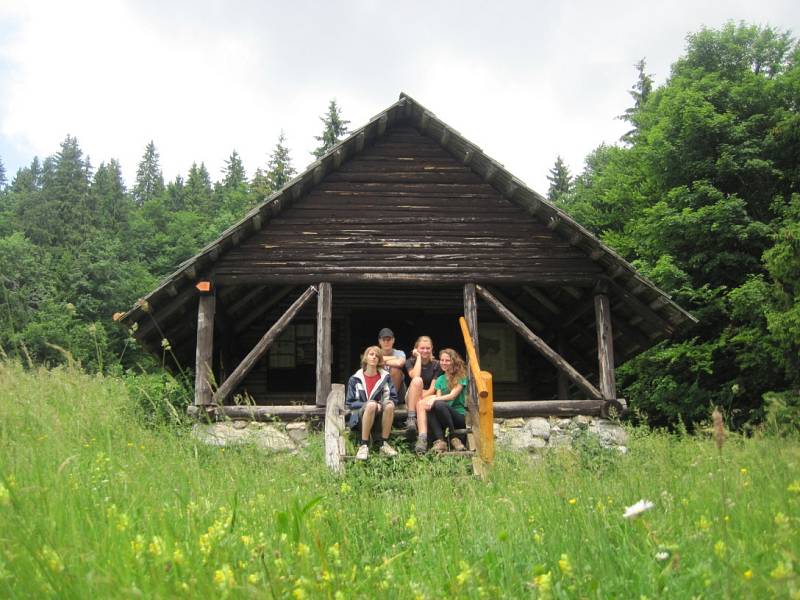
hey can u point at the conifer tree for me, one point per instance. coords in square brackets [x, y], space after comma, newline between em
[640, 92]
[279, 168]
[560, 181]
[234, 175]
[3, 180]
[149, 179]
[109, 203]
[334, 130]
[198, 193]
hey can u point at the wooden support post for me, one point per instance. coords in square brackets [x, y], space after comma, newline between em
[534, 340]
[335, 429]
[324, 304]
[204, 356]
[249, 361]
[471, 316]
[605, 346]
[486, 412]
[563, 382]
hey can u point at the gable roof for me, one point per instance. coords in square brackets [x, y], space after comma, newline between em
[625, 283]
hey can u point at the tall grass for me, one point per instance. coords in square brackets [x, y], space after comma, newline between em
[95, 502]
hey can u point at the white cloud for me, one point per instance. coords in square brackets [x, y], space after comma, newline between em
[525, 81]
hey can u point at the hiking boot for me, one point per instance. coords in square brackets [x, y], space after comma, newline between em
[411, 429]
[457, 445]
[387, 450]
[439, 446]
[363, 452]
[421, 447]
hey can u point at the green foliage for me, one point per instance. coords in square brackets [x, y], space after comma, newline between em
[94, 503]
[703, 200]
[334, 129]
[560, 180]
[149, 180]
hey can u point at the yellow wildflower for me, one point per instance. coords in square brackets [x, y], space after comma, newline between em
[719, 549]
[156, 547]
[299, 594]
[137, 546]
[544, 585]
[411, 523]
[794, 487]
[564, 565]
[748, 575]
[743, 470]
[465, 574]
[224, 578]
[704, 524]
[781, 571]
[334, 552]
[52, 559]
[254, 578]
[573, 501]
[177, 556]
[246, 540]
[303, 550]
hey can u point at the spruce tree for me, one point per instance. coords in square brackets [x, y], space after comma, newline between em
[233, 174]
[149, 180]
[334, 130]
[198, 192]
[640, 92]
[3, 180]
[560, 181]
[279, 168]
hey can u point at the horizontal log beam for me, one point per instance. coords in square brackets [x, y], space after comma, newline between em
[311, 412]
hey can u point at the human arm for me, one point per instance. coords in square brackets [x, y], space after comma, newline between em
[416, 364]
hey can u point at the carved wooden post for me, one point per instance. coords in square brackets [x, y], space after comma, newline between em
[605, 346]
[471, 316]
[204, 355]
[324, 305]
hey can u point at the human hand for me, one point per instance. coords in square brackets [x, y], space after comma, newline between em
[414, 353]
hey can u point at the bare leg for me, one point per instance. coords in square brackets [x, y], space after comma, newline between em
[367, 419]
[387, 419]
[414, 393]
[422, 419]
[397, 380]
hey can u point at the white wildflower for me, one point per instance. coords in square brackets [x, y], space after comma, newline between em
[661, 556]
[637, 509]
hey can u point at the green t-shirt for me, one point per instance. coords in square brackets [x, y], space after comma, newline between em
[459, 403]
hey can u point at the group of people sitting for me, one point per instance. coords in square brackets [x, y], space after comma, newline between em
[434, 391]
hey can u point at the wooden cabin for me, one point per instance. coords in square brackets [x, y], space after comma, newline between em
[405, 224]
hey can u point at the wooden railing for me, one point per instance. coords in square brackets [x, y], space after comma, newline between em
[483, 383]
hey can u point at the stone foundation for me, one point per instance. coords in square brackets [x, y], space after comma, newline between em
[538, 432]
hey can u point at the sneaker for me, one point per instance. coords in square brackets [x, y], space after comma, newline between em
[363, 452]
[439, 446]
[387, 450]
[411, 429]
[457, 445]
[421, 447]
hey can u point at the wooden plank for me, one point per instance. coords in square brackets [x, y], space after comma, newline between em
[227, 388]
[563, 382]
[335, 429]
[324, 304]
[540, 345]
[204, 356]
[486, 420]
[433, 279]
[547, 408]
[605, 346]
[640, 308]
[542, 299]
[518, 309]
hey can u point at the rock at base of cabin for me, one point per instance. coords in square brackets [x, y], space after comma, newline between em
[513, 423]
[582, 422]
[297, 431]
[538, 427]
[264, 436]
[520, 439]
[609, 433]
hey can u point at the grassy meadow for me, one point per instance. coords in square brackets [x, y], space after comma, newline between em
[94, 503]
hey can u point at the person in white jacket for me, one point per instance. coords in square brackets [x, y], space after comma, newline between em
[369, 392]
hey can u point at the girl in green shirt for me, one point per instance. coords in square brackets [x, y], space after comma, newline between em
[446, 411]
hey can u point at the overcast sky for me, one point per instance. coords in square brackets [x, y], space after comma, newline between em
[526, 81]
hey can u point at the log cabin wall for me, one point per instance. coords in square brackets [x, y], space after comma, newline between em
[404, 210]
